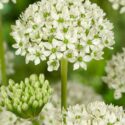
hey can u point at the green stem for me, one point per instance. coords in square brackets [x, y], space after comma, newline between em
[35, 122]
[2, 56]
[64, 71]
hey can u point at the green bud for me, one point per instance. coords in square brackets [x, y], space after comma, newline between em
[11, 82]
[15, 105]
[4, 93]
[41, 78]
[22, 85]
[24, 106]
[17, 86]
[31, 100]
[41, 102]
[38, 96]
[46, 82]
[7, 101]
[26, 81]
[9, 106]
[36, 84]
[24, 98]
[19, 108]
[35, 104]
[33, 78]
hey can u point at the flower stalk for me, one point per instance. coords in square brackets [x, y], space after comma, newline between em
[64, 71]
[35, 121]
[2, 54]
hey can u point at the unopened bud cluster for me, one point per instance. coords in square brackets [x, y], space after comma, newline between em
[27, 98]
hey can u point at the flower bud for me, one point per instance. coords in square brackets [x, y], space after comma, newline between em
[19, 109]
[35, 104]
[24, 106]
[41, 78]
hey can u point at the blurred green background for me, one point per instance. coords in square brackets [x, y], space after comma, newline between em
[95, 70]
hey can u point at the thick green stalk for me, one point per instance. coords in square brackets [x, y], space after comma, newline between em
[2, 55]
[35, 122]
[64, 71]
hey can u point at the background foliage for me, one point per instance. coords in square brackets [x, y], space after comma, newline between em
[95, 70]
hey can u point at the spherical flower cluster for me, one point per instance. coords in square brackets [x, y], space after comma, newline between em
[2, 2]
[96, 113]
[8, 118]
[9, 58]
[115, 74]
[75, 94]
[54, 29]
[26, 99]
[118, 5]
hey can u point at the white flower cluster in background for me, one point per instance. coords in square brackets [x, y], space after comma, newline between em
[96, 113]
[8, 118]
[9, 58]
[118, 5]
[115, 74]
[77, 94]
[50, 115]
[2, 2]
[54, 29]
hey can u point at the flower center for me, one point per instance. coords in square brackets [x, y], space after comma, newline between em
[65, 41]
[79, 47]
[54, 63]
[80, 59]
[69, 55]
[65, 30]
[46, 14]
[89, 42]
[54, 50]
[53, 30]
[20, 44]
[61, 20]
[38, 54]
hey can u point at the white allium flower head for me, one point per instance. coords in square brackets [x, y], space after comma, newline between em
[75, 94]
[9, 58]
[8, 118]
[118, 5]
[115, 74]
[2, 2]
[96, 113]
[54, 29]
